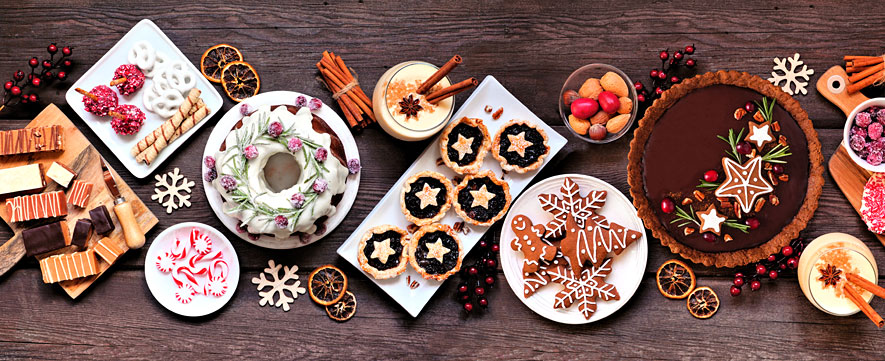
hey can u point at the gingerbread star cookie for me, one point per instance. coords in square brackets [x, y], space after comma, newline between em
[743, 182]
[759, 134]
[711, 220]
[529, 241]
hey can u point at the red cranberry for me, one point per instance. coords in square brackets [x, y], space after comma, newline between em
[67, 63]
[690, 63]
[772, 258]
[19, 75]
[479, 291]
[662, 75]
[738, 281]
[677, 55]
[8, 85]
[16, 91]
[483, 244]
[674, 79]
[495, 248]
[34, 62]
[667, 205]
[664, 55]
[653, 73]
[24, 99]
[640, 97]
[62, 75]
[462, 288]
[711, 176]
[491, 263]
[472, 271]
[739, 275]
[760, 269]
[490, 280]
[47, 64]
[659, 91]
[772, 274]
[66, 51]
[782, 266]
[778, 169]
[638, 86]
[52, 48]
[744, 148]
[35, 82]
[468, 307]
[752, 222]
[689, 49]
[32, 98]
[465, 297]
[735, 291]
[48, 75]
[750, 107]
[787, 251]
[755, 285]
[483, 302]
[793, 262]
[709, 237]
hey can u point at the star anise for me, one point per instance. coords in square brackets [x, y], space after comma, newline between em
[410, 106]
[830, 275]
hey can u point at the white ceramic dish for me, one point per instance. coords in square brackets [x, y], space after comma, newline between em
[219, 133]
[387, 211]
[163, 287]
[846, 138]
[627, 268]
[103, 71]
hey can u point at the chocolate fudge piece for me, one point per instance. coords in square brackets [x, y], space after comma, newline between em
[82, 233]
[45, 238]
[101, 220]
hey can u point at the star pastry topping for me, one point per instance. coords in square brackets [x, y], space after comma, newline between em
[759, 134]
[410, 106]
[518, 144]
[481, 197]
[743, 182]
[437, 250]
[382, 250]
[427, 195]
[711, 220]
[463, 146]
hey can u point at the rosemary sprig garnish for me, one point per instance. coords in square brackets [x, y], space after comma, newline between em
[705, 184]
[774, 154]
[766, 107]
[738, 226]
[732, 141]
[684, 217]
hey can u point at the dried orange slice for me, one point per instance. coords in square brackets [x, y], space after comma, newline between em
[216, 58]
[675, 279]
[343, 310]
[240, 80]
[702, 302]
[327, 285]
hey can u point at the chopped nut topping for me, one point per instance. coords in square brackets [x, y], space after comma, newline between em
[784, 177]
[776, 126]
[759, 117]
[686, 201]
[439, 161]
[412, 228]
[727, 238]
[739, 113]
[698, 195]
[759, 204]
[737, 210]
[488, 108]
[688, 230]
[767, 166]
[772, 178]
[782, 140]
[774, 200]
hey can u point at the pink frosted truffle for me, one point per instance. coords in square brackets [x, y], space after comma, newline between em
[128, 119]
[107, 100]
[134, 78]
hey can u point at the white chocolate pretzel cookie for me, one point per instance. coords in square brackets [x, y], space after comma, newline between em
[177, 77]
[165, 102]
[143, 55]
[160, 62]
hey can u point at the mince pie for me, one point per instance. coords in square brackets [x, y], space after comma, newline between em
[426, 197]
[482, 199]
[383, 251]
[464, 144]
[520, 146]
[435, 251]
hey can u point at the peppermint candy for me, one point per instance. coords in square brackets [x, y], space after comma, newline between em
[194, 267]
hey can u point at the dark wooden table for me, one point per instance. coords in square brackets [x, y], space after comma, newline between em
[531, 47]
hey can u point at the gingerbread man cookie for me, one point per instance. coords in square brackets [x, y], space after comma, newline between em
[529, 241]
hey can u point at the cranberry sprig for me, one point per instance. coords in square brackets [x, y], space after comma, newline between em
[771, 267]
[15, 89]
[671, 72]
[478, 278]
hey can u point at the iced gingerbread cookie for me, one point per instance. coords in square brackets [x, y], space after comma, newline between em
[593, 242]
[529, 241]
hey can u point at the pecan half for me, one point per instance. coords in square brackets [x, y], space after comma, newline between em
[774, 200]
[739, 113]
[686, 201]
[759, 204]
[698, 195]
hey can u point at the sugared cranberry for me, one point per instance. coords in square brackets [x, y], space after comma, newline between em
[772, 274]
[738, 281]
[690, 63]
[689, 49]
[760, 269]
[735, 291]
[709, 237]
[755, 285]
[787, 251]
[667, 205]
[664, 55]
[744, 148]
[752, 222]
[750, 107]
[777, 169]
[711, 176]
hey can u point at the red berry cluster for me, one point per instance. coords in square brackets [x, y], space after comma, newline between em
[771, 267]
[49, 70]
[479, 277]
[671, 72]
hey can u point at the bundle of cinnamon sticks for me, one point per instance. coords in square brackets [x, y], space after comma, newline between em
[449, 91]
[345, 88]
[864, 71]
[856, 298]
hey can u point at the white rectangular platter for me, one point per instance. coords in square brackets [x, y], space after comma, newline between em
[102, 73]
[387, 211]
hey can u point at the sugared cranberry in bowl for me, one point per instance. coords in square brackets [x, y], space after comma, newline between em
[864, 135]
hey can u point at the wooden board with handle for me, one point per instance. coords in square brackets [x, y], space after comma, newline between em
[850, 177]
[84, 159]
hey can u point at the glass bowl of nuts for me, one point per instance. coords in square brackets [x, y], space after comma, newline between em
[598, 103]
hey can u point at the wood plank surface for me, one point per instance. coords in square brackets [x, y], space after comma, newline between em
[531, 47]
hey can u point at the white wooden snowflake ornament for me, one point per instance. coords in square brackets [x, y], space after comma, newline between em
[172, 190]
[278, 285]
[791, 78]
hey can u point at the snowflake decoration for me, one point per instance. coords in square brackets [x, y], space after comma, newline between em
[278, 285]
[791, 78]
[172, 191]
[584, 289]
[571, 202]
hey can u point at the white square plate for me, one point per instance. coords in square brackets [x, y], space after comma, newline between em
[102, 73]
[387, 211]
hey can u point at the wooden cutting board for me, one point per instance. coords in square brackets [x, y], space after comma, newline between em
[850, 177]
[80, 156]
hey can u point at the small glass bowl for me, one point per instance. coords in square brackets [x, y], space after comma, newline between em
[574, 82]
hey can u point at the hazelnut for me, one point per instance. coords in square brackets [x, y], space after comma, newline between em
[579, 125]
[599, 118]
[590, 89]
[597, 132]
[617, 123]
[567, 98]
[614, 83]
[626, 105]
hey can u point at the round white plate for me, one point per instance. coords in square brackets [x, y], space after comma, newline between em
[219, 133]
[161, 284]
[628, 267]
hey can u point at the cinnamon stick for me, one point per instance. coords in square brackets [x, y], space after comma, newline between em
[339, 84]
[855, 69]
[863, 305]
[87, 94]
[867, 61]
[336, 87]
[348, 114]
[867, 72]
[359, 91]
[866, 284]
[118, 81]
[439, 74]
[856, 57]
[865, 82]
[353, 102]
[449, 91]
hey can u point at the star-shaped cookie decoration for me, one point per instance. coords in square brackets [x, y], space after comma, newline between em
[518, 144]
[463, 146]
[711, 220]
[743, 182]
[427, 195]
[481, 197]
[528, 241]
[383, 251]
[437, 250]
[759, 134]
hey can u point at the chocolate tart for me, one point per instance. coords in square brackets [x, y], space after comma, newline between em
[482, 199]
[464, 144]
[426, 197]
[677, 142]
[435, 251]
[520, 146]
[383, 251]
